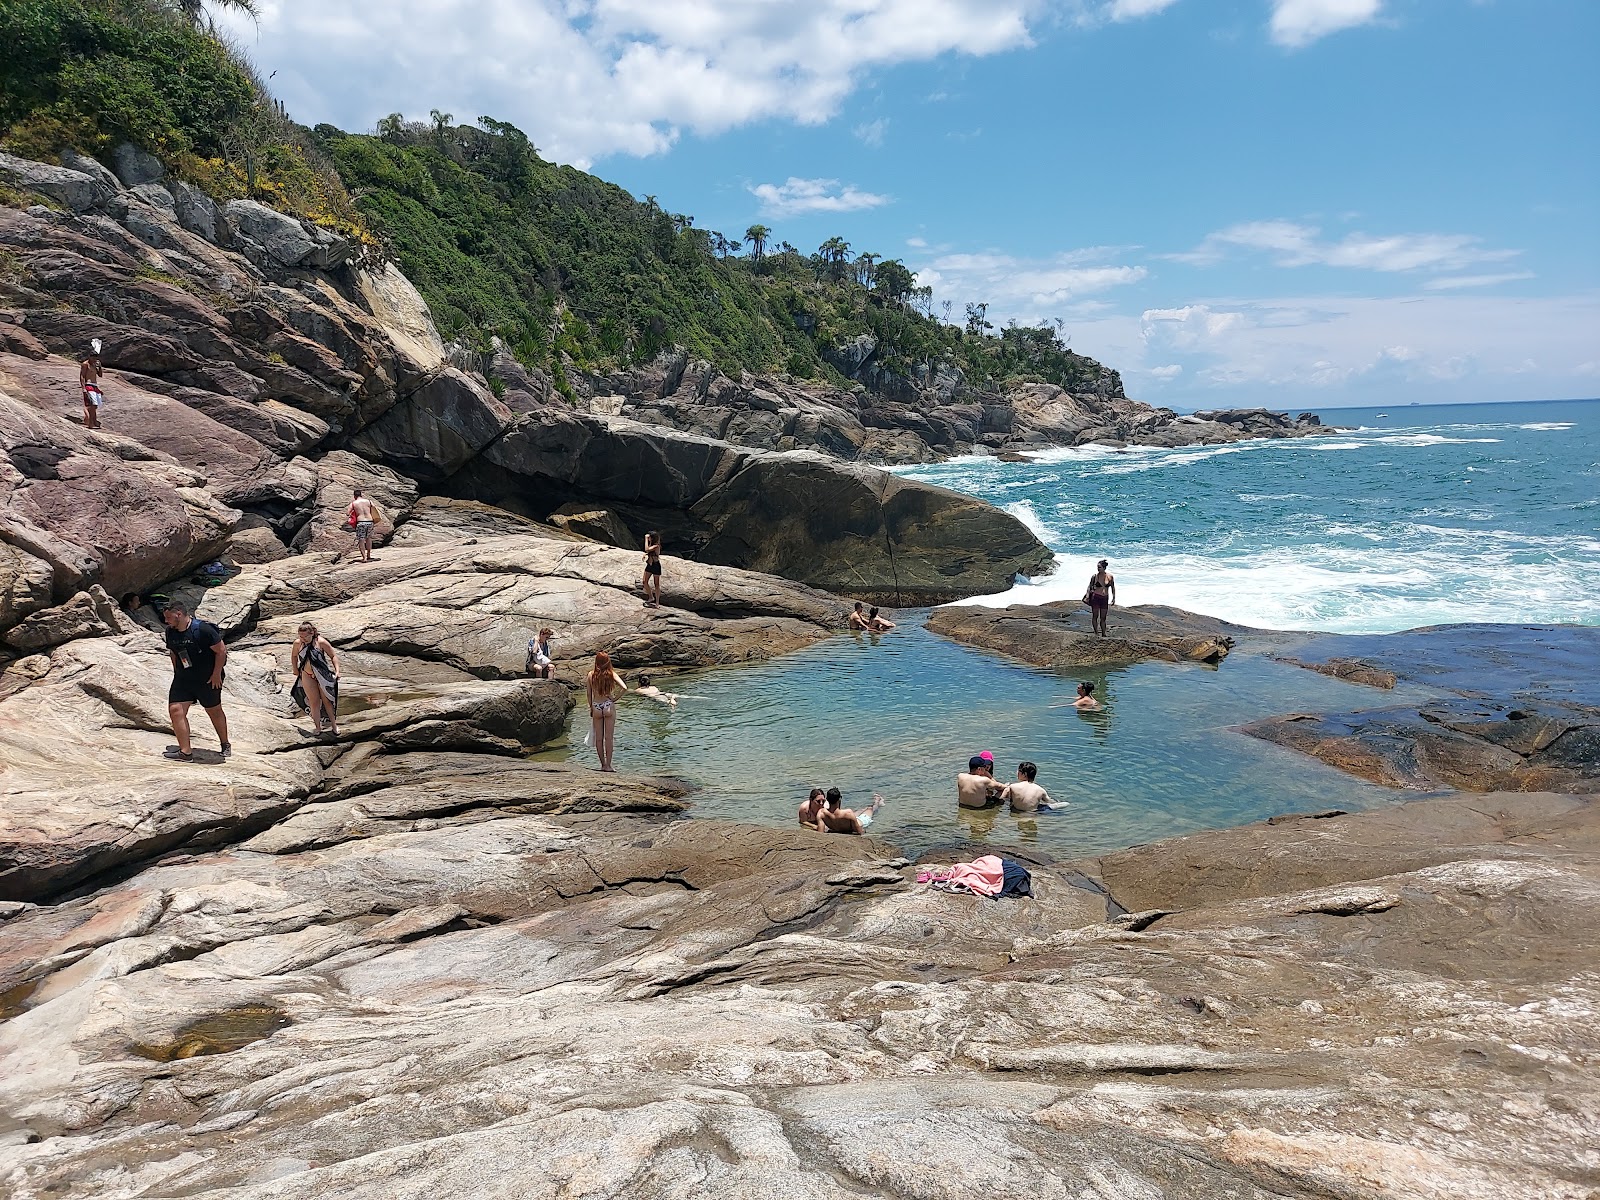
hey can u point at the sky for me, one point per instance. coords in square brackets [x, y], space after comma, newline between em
[1290, 203]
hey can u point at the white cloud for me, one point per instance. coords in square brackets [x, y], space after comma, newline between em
[797, 196]
[1170, 371]
[917, 243]
[1295, 245]
[1456, 282]
[872, 132]
[587, 78]
[1023, 289]
[1132, 10]
[1297, 23]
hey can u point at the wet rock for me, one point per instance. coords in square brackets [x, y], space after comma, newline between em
[1059, 636]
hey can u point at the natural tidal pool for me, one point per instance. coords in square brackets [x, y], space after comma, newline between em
[901, 713]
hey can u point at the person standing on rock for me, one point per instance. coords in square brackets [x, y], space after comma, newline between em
[1101, 595]
[603, 685]
[198, 654]
[650, 585]
[89, 372]
[362, 516]
[316, 673]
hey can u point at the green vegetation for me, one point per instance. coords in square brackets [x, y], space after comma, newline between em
[572, 272]
[92, 73]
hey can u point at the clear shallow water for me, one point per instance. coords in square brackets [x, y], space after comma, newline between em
[902, 713]
[1425, 516]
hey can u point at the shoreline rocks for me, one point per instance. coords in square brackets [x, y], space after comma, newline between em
[1058, 636]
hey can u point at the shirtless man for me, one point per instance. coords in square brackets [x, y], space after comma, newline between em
[362, 516]
[1026, 795]
[652, 692]
[858, 619]
[89, 381]
[814, 804]
[834, 819]
[975, 787]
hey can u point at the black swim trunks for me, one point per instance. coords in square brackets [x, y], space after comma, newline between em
[190, 688]
[652, 566]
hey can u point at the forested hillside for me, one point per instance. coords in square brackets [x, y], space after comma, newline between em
[573, 274]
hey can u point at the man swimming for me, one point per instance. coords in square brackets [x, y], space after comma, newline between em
[1025, 795]
[975, 787]
[652, 692]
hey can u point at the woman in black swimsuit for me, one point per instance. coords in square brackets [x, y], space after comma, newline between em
[1101, 595]
[651, 583]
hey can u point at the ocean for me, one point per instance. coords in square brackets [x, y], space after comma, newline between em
[1412, 516]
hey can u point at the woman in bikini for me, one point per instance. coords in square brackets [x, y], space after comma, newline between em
[651, 583]
[316, 671]
[604, 684]
[1101, 595]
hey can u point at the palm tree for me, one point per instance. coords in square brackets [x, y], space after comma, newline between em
[833, 253]
[864, 264]
[757, 236]
[650, 206]
[194, 11]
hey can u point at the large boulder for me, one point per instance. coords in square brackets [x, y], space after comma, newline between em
[338, 474]
[436, 429]
[1059, 636]
[268, 237]
[71, 189]
[841, 527]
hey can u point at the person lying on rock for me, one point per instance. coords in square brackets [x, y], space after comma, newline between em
[198, 654]
[815, 803]
[858, 618]
[835, 819]
[878, 624]
[652, 692]
[976, 786]
[1027, 796]
[538, 662]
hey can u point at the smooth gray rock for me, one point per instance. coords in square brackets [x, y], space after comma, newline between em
[93, 167]
[72, 190]
[133, 166]
[278, 239]
[197, 212]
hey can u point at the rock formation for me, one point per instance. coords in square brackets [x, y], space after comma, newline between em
[899, 421]
[1058, 636]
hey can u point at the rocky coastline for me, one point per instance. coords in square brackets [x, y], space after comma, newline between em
[414, 960]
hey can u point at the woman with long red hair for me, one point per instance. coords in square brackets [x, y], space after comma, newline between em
[604, 685]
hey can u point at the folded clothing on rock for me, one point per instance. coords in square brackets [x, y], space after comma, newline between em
[989, 875]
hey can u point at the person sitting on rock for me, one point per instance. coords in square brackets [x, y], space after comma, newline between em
[835, 819]
[538, 662]
[815, 803]
[858, 619]
[652, 692]
[976, 787]
[198, 654]
[878, 624]
[1025, 795]
[650, 585]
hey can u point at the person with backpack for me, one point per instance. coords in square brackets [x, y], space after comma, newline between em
[198, 654]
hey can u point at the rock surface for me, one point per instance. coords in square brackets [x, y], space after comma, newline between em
[844, 527]
[1059, 636]
[621, 1006]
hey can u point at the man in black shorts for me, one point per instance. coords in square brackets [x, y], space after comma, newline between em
[198, 653]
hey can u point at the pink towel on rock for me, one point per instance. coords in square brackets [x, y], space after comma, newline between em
[985, 876]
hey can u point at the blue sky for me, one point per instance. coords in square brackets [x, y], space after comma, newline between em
[1299, 203]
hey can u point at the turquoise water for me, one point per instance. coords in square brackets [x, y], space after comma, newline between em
[1422, 516]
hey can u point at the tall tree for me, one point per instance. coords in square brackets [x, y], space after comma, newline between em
[864, 271]
[757, 236]
[441, 122]
[194, 11]
[834, 253]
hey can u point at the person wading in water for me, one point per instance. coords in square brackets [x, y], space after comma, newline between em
[1102, 594]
